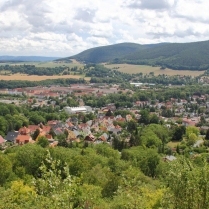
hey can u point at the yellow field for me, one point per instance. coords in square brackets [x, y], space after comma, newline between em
[24, 77]
[132, 69]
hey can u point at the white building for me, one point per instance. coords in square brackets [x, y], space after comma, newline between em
[72, 110]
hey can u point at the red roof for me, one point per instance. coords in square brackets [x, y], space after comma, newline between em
[24, 131]
[33, 127]
[23, 138]
[1, 139]
[47, 128]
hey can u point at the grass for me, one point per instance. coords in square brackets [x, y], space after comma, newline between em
[133, 69]
[173, 144]
[24, 77]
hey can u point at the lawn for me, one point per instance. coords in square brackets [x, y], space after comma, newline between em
[173, 144]
[133, 69]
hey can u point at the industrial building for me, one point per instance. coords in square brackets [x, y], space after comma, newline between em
[72, 110]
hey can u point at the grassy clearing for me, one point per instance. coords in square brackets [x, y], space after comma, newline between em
[173, 144]
[24, 77]
[133, 69]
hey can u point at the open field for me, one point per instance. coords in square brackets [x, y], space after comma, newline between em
[132, 69]
[47, 64]
[24, 77]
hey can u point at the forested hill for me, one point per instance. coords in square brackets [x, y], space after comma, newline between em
[26, 59]
[183, 56]
[107, 53]
[191, 56]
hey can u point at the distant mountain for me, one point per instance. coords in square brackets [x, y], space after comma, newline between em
[26, 59]
[183, 56]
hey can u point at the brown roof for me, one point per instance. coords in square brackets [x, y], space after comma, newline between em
[23, 138]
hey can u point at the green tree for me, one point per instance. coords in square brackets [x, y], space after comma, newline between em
[5, 168]
[144, 117]
[187, 185]
[43, 141]
[178, 133]
[207, 135]
[36, 134]
[192, 130]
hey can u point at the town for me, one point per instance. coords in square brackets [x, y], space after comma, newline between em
[89, 122]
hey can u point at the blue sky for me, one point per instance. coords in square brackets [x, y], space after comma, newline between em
[67, 27]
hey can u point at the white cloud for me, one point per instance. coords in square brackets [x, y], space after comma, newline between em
[64, 28]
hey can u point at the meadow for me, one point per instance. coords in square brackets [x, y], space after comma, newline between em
[145, 69]
[47, 64]
[24, 77]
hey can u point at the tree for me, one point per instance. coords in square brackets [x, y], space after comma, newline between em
[144, 117]
[30, 157]
[192, 130]
[43, 141]
[109, 113]
[178, 133]
[36, 134]
[187, 185]
[5, 168]
[131, 126]
[154, 119]
[207, 135]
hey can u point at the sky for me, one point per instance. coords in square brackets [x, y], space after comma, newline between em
[63, 28]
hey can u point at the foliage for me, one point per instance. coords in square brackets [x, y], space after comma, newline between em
[188, 187]
[5, 169]
[43, 141]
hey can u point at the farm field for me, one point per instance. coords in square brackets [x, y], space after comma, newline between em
[48, 64]
[24, 77]
[133, 69]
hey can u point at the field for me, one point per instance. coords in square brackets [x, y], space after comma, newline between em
[132, 69]
[48, 64]
[24, 77]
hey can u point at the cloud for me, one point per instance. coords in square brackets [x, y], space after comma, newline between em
[85, 15]
[64, 28]
[152, 5]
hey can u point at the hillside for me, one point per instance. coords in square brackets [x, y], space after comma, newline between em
[107, 53]
[26, 59]
[182, 56]
[187, 56]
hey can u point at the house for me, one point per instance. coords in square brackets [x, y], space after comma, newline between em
[2, 141]
[11, 136]
[104, 137]
[128, 117]
[23, 139]
[89, 138]
[33, 128]
[190, 121]
[169, 158]
[24, 131]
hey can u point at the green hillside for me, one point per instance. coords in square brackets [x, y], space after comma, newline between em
[185, 56]
[107, 53]
[181, 56]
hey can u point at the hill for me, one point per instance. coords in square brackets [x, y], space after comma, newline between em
[181, 56]
[26, 59]
[107, 53]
